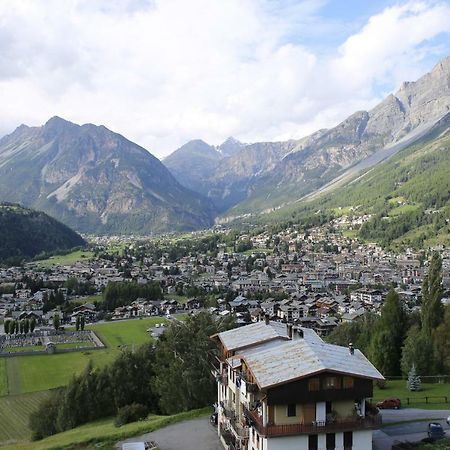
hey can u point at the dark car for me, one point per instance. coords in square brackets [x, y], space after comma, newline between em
[435, 431]
[390, 403]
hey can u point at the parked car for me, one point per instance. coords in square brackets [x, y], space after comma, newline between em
[435, 431]
[390, 403]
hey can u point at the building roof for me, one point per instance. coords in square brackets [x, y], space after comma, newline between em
[253, 334]
[300, 358]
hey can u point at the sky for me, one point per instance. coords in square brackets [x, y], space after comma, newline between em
[163, 72]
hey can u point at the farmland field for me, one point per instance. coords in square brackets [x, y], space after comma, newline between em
[14, 413]
[3, 377]
[65, 260]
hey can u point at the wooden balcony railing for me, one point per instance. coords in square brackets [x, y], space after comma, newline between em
[339, 424]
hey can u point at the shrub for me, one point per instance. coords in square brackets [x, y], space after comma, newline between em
[130, 413]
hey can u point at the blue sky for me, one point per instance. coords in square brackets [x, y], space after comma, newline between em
[163, 72]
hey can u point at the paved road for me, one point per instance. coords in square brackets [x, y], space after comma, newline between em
[196, 434]
[409, 432]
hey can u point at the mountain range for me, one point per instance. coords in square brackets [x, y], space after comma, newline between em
[264, 176]
[98, 181]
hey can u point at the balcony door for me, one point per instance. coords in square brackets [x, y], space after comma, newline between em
[309, 413]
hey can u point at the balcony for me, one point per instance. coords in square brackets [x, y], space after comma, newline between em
[339, 424]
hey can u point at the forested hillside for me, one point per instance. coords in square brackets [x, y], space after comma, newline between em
[407, 196]
[25, 233]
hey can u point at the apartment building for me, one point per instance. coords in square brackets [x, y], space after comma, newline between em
[281, 387]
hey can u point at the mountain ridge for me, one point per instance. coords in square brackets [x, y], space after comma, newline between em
[96, 181]
[266, 175]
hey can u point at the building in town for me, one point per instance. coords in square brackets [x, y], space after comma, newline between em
[280, 387]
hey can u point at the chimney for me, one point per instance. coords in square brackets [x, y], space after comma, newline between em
[266, 318]
[289, 330]
[297, 333]
[351, 348]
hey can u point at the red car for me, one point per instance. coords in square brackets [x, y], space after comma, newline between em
[390, 403]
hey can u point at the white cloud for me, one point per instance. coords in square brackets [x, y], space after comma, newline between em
[167, 71]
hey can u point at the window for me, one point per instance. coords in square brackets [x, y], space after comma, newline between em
[312, 442]
[291, 410]
[347, 382]
[313, 384]
[348, 440]
[331, 441]
[332, 383]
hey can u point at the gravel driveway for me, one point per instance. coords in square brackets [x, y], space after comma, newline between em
[196, 434]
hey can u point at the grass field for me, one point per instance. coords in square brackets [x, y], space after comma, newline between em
[21, 374]
[125, 332]
[14, 414]
[397, 388]
[3, 377]
[105, 431]
[65, 260]
[25, 348]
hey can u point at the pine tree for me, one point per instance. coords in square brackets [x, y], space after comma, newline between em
[413, 383]
[77, 323]
[26, 326]
[6, 326]
[82, 323]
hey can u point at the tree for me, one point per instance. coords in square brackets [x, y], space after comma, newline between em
[418, 351]
[56, 321]
[413, 383]
[432, 308]
[32, 324]
[388, 337]
[182, 367]
[12, 326]
[16, 327]
[26, 326]
[82, 323]
[441, 341]
[77, 323]
[6, 326]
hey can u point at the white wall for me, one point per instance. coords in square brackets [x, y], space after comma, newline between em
[362, 440]
[287, 443]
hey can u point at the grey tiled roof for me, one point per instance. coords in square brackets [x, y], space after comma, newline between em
[304, 357]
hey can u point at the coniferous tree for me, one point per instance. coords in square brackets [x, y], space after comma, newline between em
[82, 320]
[26, 326]
[32, 324]
[413, 383]
[12, 326]
[77, 323]
[16, 327]
[56, 321]
[6, 326]
[387, 340]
